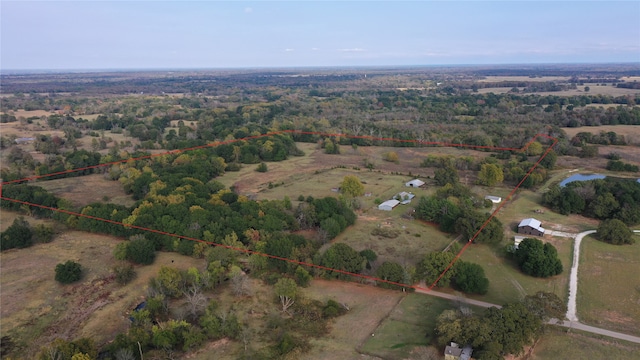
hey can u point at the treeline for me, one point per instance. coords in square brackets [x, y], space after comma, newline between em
[601, 199]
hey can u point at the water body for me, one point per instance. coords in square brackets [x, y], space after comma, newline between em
[582, 177]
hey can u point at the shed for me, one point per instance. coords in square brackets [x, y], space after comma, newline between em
[388, 205]
[404, 197]
[530, 226]
[455, 352]
[494, 199]
[414, 183]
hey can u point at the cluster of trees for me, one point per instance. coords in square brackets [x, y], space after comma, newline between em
[459, 215]
[608, 198]
[602, 138]
[21, 234]
[615, 232]
[617, 165]
[464, 276]
[500, 332]
[537, 259]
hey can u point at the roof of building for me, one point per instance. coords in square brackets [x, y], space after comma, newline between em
[392, 203]
[451, 350]
[415, 183]
[495, 199]
[533, 223]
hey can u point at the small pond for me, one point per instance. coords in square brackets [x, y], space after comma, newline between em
[582, 177]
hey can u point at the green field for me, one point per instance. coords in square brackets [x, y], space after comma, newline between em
[609, 285]
[409, 325]
[558, 344]
[508, 284]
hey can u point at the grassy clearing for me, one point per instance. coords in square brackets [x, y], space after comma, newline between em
[368, 307]
[411, 324]
[609, 286]
[81, 190]
[415, 239]
[557, 343]
[508, 284]
[619, 129]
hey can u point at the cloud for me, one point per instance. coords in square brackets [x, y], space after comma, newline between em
[288, 50]
[248, 10]
[352, 50]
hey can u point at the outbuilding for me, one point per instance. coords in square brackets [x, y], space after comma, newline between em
[530, 226]
[388, 205]
[494, 199]
[415, 183]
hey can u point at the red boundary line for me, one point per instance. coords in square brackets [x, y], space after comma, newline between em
[251, 252]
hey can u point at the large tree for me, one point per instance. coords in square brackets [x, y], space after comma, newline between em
[490, 175]
[470, 278]
[68, 272]
[538, 259]
[433, 264]
[352, 186]
[390, 271]
[342, 257]
[615, 232]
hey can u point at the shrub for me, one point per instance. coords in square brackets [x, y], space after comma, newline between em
[18, 235]
[141, 251]
[614, 232]
[124, 273]
[68, 272]
[262, 167]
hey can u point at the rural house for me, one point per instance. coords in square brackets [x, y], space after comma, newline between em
[455, 352]
[415, 183]
[530, 226]
[388, 205]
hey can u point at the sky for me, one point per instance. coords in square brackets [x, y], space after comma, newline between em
[66, 35]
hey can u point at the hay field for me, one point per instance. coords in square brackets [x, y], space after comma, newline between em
[609, 286]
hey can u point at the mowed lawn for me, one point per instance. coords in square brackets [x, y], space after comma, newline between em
[609, 285]
[558, 344]
[411, 324]
[508, 284]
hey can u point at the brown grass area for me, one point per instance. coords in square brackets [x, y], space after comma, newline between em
[524, 78]
[84, 190]
[36, 309]
[619, 129]
[30, 113]
[368, 307]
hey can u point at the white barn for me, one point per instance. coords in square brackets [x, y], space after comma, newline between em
[414, 183]
[388, 205]
[494, 199]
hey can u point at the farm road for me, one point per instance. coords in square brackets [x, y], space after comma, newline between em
[573, 322]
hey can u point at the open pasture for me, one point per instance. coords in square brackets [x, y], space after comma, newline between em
[558, 343]
[84, 190]
[508, 284]
[36, 309]
[609, 285]
[368, 307]
[618, 129]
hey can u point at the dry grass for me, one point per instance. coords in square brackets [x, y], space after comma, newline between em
[368, 307]
[36, 309]
[84, 190]
[619, 129]
[30, 113]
